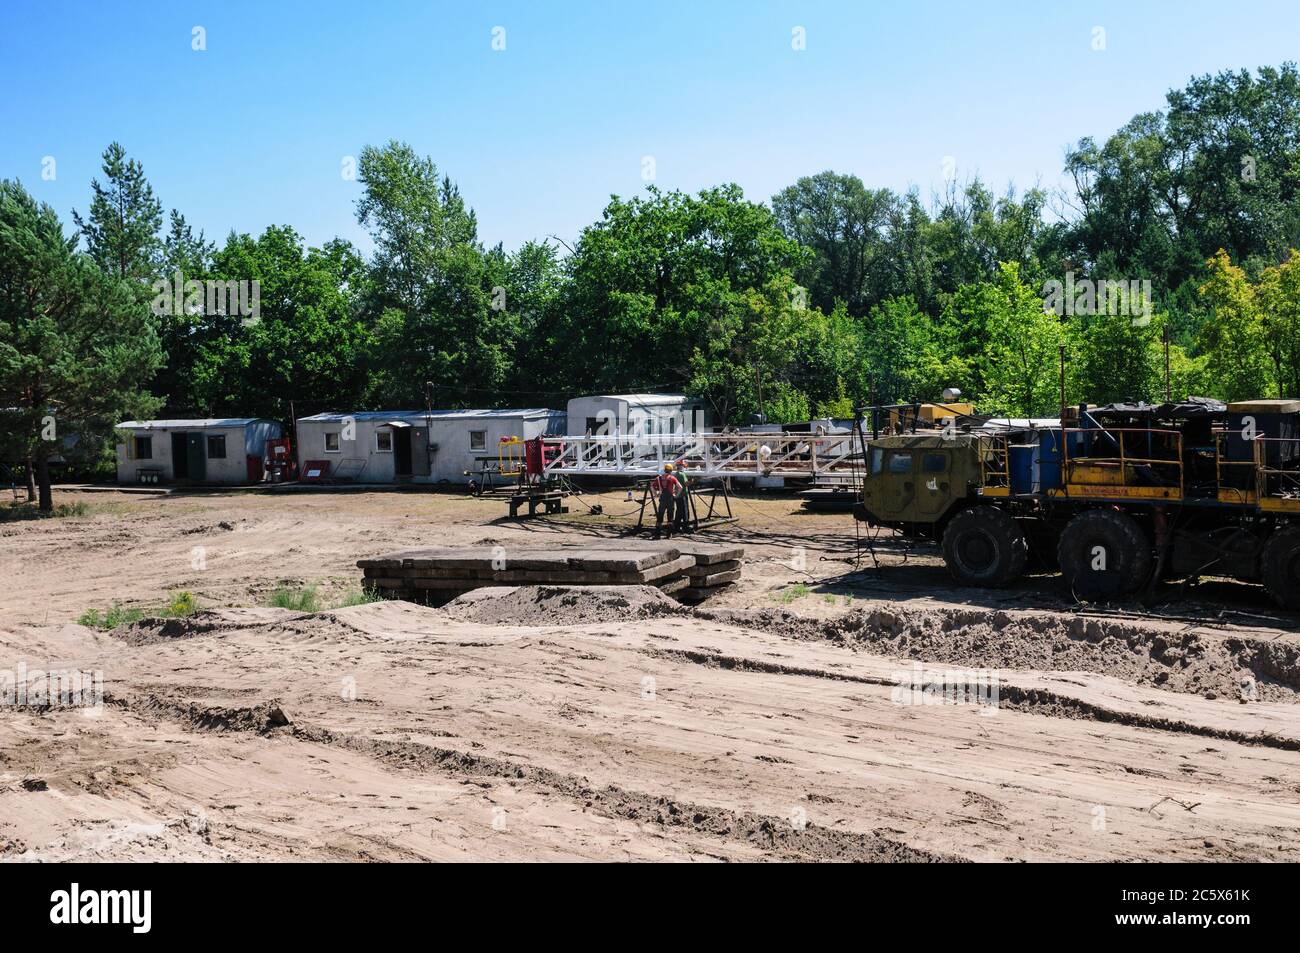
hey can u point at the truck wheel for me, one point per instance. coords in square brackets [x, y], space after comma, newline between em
[1104, 554]
[1280, 567]
[984, 546]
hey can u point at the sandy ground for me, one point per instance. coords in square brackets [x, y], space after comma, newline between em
[544, 723]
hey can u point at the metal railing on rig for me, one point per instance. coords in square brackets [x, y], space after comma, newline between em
[1155, 463]
[1277, 473]
[705, 454]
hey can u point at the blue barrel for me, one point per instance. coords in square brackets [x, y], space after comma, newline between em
[1022, 469]
[1049, 459]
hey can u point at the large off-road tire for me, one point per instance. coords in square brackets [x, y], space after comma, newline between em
[984, 546]
[1104, 554]
[1279, 566]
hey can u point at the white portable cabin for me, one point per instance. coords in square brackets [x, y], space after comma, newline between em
[416, 446]
[628, 415]
[228, 451]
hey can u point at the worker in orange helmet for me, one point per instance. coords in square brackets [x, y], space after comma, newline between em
[666, 489]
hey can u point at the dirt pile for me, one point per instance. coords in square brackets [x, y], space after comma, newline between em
[261, 718]
[151, 631]
[155, 630]
[1227, 667]
[561, 605]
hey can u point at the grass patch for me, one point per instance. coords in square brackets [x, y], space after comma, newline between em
[304, 599]
[791, 593]
[14, 511]
[179, 606]
[110, 618]
[182, 604]
[359, 596]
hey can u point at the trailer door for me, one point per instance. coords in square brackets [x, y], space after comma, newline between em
[196, 452]
[180, 456]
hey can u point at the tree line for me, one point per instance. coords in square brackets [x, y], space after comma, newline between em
[1176, 234]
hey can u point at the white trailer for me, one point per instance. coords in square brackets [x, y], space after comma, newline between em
[223, 451]
[631, 415]
[415, 446]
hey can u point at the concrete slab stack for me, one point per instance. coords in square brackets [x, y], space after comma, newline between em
[690, 571]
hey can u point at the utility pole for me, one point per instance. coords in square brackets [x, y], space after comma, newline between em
[1168, 393]
[875, 415]
[1062, 383]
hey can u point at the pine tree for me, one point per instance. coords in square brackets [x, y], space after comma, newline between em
[122, 229]
[76, 344]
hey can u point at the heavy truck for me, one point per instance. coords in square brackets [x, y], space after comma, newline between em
[1115, 498]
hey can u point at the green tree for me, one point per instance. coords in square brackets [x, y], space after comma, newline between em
[1278, 295]
[1011, 346]
[439, 313]
[845, 227]
[308, 342]
[184, 257]
[767, 354]
[121, 228]
[973, 232]
[76, 345]
[1234, 339]
[533, 281]
[668, 286]
[904, 355]
[1218, 168]
[1117, 355]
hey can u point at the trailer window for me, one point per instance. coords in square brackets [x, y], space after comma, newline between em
[900, 463]
[144, 448]
[478, 439]
[216, 446]
[332, 442]
[384, 441]
[935, 463]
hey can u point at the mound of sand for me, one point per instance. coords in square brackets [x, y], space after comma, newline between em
[1165, 657]
[151, 631]
[561, 605]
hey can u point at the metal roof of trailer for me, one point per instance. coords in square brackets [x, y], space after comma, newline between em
[643, 400]
[204, 424]
[385, 415]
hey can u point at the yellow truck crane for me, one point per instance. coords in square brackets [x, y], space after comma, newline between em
[1116, 497]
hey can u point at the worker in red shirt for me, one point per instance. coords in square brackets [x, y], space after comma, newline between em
[665, 489]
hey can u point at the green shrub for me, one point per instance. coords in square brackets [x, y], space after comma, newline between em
[303, 599]
[358, 597]
[111, 618]
[797, 591]
[182, 604]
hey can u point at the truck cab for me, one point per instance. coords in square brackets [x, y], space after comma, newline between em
[915, 481]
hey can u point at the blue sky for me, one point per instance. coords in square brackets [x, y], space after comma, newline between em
[253, 130]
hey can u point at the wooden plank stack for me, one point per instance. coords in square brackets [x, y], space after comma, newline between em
[691, 571]
[716, 567]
